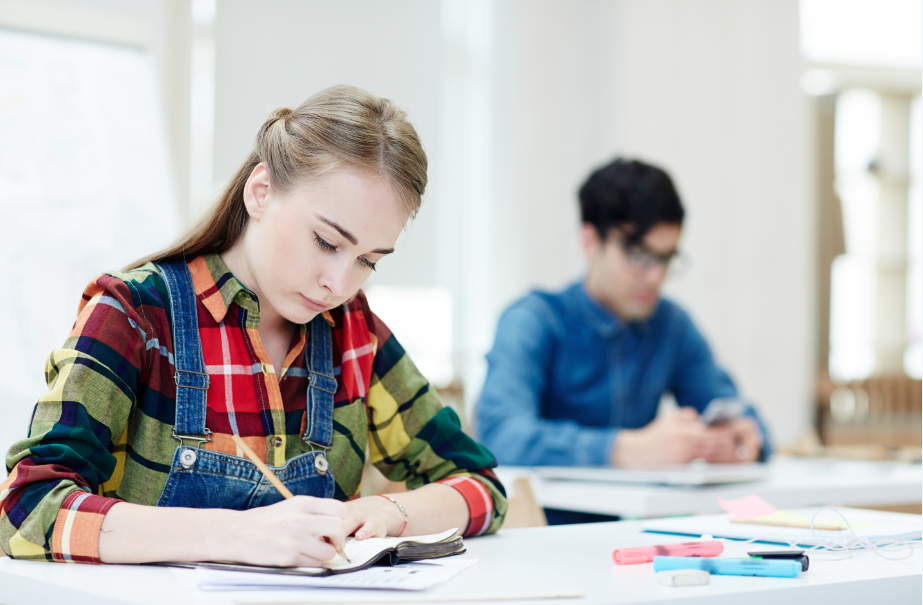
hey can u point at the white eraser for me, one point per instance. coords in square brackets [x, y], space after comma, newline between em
[682, 577]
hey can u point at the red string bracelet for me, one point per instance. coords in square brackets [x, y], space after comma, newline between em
[402, 509]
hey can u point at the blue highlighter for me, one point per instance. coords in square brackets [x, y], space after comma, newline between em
[774, 568]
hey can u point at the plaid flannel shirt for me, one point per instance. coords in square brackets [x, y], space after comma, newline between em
[102, 433]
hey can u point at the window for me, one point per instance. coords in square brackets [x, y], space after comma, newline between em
[865, 54]
[84, 188]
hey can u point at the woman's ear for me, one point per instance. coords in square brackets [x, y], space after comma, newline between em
[256, 190]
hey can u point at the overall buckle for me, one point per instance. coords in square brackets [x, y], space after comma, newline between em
[187, 457]
[320, 458]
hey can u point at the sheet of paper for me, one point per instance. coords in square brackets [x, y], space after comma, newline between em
[784, 517]
[823, 522]
[413, 575]
[871, 525]
[748, 507]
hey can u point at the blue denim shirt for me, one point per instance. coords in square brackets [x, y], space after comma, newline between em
[565, 375]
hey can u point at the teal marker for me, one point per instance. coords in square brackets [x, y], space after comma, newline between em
[774, 568]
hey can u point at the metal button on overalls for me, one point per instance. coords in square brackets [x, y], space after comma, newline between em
[187, 458]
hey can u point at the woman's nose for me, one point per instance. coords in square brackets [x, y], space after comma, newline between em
[336, 277]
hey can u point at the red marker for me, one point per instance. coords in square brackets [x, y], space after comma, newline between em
[646, 554]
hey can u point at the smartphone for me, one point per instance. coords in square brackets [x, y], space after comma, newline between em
[721, 410]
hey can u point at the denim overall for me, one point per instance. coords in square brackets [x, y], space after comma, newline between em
[206, 479]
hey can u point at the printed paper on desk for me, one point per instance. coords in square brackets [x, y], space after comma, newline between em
[413, 575]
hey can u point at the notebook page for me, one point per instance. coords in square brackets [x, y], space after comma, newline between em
[362, 551]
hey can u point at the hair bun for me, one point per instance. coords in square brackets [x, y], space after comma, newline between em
[277, 115]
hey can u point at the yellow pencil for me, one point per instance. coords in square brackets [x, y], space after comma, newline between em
[270, 476]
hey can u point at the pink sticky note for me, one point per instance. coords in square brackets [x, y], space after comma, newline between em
[748, 507]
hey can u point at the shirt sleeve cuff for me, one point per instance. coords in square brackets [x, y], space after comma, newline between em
[766, 447]
[593, 447]
[77, 527]
[480, 504]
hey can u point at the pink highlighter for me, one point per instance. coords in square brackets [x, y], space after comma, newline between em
[646, 554]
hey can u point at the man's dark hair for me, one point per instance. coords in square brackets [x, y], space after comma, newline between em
[631, 195]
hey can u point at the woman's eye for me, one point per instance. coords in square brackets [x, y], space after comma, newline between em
[367, 263]
[324, 244]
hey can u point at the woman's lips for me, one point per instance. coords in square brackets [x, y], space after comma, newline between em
[314, 305]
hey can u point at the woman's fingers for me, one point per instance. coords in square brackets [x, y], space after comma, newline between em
[353, 522]
[367, 527]
[301, 531]
[374, 528]
[332, 528]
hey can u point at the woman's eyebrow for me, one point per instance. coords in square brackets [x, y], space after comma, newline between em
[349, 236]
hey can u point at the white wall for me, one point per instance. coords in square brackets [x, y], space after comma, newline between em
[713, 94]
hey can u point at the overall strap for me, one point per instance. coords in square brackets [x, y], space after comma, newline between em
[322, 385]
[190, 376]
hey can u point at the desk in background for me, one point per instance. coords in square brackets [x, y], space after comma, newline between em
[792, 483]
[531, 560]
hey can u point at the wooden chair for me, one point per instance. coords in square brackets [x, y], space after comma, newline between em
[882, 414]
[524, 510]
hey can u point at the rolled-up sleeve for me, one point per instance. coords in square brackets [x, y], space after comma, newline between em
[413, 438]
[51, 507]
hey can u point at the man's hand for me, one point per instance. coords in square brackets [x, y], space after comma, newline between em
[737, 440]
[675, 438]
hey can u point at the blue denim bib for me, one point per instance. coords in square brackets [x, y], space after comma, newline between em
[205, 479]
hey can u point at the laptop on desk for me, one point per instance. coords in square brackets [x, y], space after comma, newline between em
[679, 475]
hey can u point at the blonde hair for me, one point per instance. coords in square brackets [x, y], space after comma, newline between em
[339, 126]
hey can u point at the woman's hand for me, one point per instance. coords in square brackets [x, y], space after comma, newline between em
[298, 532]
[373, 517]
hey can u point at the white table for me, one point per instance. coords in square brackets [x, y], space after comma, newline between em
[533, 560]
[792, 483]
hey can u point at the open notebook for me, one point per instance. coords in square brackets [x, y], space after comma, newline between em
[361, 553]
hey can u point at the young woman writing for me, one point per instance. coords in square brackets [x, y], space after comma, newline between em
[254, 325]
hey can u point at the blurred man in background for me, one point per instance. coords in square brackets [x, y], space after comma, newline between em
[576, 377]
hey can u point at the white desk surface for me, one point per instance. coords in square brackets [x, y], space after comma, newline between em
[792, 483]
[533, 560]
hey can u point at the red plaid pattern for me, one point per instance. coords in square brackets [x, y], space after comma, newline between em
[480, 504]
[76, 530]
[357, 347]
[243, 388]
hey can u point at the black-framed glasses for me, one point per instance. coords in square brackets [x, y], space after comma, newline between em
[643, 258]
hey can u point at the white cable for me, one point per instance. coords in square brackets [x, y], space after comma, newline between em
[845, 543]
